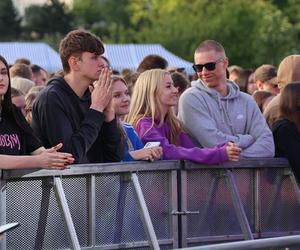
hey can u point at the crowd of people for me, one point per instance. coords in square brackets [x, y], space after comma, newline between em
[89, 113]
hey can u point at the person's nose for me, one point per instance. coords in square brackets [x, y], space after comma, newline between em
[175, 90]
[126, 98]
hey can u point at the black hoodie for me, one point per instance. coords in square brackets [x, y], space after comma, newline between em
[287, 143]
[59, 115]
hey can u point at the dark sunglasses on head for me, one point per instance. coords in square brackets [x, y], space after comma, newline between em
[209, 66]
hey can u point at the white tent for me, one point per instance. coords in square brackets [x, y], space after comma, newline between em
[121, 56]
[130, 55]
[38, 53]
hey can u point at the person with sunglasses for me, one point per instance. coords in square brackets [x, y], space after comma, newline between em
[215, 111]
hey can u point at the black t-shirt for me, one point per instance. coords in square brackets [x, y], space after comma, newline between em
[13, 142]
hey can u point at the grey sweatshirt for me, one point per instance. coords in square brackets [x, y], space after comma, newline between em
[211, 119]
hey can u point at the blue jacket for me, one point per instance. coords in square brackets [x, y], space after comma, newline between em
[135, 141]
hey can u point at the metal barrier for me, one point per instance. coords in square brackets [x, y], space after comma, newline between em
[262, 244]
[138, 205]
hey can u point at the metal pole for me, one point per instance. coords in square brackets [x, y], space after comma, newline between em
[173, 200]
[239, 209]
[144, 213]
[295, 185]
[2, 208]
[277, 242]
[92, 211]
[124, 181]
[183, 207]
[257, 202]
[41, 229]
[63, 204]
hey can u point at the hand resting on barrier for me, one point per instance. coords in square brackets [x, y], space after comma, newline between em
[40, 158]
[233, 151]
[151, 154]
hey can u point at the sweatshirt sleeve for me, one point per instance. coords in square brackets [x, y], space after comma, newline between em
[172, 152]
[263, 145]
[53, 125]
[202, 127]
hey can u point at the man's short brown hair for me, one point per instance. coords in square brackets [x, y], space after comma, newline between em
[208, 45]
[75, 43]
[152, 62]
[21, 70]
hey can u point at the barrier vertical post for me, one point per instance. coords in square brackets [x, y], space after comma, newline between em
[145, 216]
[257, 201]
[41, 229]
[62, 202]
[92, 211]
[238, 206]
[2, 208]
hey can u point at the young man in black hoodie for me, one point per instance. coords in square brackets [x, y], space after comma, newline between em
[66, 111]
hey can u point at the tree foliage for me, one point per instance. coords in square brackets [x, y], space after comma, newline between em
[107, 18]
[51, 18]
[9, 21]
[250, 33]
[253, 33]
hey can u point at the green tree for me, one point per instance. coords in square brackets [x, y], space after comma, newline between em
[51, 18]
[107, 18]
[10, 21]
[252, 34]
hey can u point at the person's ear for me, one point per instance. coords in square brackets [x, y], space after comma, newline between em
[73, 63]
[259, 85]
[226, 62]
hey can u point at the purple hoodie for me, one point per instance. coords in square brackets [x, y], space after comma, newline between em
[186, 150]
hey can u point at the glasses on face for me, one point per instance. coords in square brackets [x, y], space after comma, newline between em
[209, 66]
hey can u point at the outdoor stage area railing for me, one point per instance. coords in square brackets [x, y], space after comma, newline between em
[142, 205]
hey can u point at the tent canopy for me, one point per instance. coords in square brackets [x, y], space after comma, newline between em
[38, 53]
[129, 56]
[121, 56]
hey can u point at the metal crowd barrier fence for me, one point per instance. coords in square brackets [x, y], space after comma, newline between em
[261, 244]
[141, 205]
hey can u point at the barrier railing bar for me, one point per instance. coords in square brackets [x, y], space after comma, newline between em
[45, 202]
[257, 201]
[145, 217]
[220, 238]
[239, 208]
[183, 207]
[295, 185]
[96, 168]
[81, 169]
[2, 209]
[173, 200]
[92, 210]
[286, 241]
[130, 245]
[62, 202]
[124, 182]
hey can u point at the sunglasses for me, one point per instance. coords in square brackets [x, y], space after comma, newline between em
[209, 66]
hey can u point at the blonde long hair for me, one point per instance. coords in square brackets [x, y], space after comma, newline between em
[144, 103]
